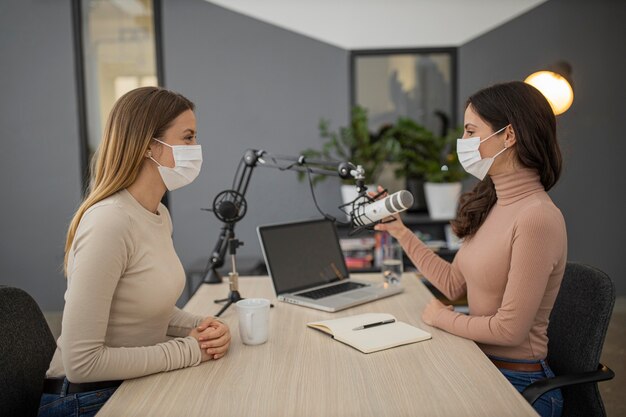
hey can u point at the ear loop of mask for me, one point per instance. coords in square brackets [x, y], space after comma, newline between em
[167, 144]
[496, 155]
[493, 134]
[150, 152]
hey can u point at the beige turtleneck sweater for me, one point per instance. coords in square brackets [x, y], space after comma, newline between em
[510, 270]
[120, 319]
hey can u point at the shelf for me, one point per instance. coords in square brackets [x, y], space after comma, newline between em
[411, 219]
[427, 229]
[414, 219]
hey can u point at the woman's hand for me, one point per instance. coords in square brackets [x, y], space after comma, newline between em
[213, 337]
[432, 309]
[395, 228]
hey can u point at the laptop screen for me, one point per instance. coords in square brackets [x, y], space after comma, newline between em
[302, 254]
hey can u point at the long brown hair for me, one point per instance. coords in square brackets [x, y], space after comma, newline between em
[532, 119]
[136, 118]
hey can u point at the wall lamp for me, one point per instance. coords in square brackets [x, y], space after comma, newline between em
[555, 83]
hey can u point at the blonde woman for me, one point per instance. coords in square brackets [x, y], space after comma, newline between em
[123, 275]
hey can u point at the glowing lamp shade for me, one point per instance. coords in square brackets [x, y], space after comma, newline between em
[555, 88]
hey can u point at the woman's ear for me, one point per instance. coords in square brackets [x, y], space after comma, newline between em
[510, 138]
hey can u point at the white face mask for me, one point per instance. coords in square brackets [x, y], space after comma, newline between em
[469, 155]
[187, 164]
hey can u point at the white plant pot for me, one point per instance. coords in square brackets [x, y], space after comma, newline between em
[442, 199]
[388, 179]
[349, 193]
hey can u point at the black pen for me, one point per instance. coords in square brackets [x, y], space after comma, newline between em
[380, 323]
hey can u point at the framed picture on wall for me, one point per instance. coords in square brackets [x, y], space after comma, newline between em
[418, 83]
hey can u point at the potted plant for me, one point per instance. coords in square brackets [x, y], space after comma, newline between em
[416, 148]
[443, 175]
[355, 144]
[431, 167]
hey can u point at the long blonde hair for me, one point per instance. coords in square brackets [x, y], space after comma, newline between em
[136, 118]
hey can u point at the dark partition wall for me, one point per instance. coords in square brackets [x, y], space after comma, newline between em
[255, 86]
[590, 36]
[40, 158]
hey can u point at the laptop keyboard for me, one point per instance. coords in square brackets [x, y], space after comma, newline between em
[332, 290]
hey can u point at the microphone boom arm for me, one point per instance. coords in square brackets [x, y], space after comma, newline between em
[250, 160]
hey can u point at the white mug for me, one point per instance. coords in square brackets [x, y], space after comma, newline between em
[254, 318]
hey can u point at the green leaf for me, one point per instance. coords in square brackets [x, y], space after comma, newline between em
[420, 152]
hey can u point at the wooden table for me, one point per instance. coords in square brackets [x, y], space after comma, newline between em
[303, 372]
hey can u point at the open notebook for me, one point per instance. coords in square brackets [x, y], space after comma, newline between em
[371, 339]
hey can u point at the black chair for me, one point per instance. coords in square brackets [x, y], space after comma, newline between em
[576, 332]
[26, 349]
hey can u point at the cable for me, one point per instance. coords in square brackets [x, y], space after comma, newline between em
[326, 216]
[244, 169]
[285, 168]
[241, 162]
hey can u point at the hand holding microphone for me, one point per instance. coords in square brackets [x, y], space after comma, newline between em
[373, 211]
[395, 228]
[384, 207]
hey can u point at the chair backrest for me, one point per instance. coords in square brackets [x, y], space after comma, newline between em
[26, 349]
[576, 332]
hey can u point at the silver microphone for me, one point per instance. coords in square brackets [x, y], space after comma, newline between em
[379, 209]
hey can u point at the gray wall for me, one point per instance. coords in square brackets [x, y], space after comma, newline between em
[39, 161]
[590, 35]
[258, 86]
[255, 86]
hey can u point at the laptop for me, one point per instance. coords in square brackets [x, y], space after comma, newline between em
[307, 267]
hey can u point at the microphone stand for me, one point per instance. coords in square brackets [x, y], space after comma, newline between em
[240, 185]
[230, 206]
[217, 256]
[233, 278]
[250, 160]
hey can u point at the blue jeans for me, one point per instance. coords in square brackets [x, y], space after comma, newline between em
[549, 404]
[84, 404]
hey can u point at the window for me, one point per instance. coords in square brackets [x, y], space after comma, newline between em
[418, 83]
[117, 46]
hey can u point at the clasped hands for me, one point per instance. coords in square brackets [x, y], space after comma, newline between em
[213, 336]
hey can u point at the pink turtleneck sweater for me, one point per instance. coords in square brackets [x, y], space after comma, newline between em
[510, 270]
